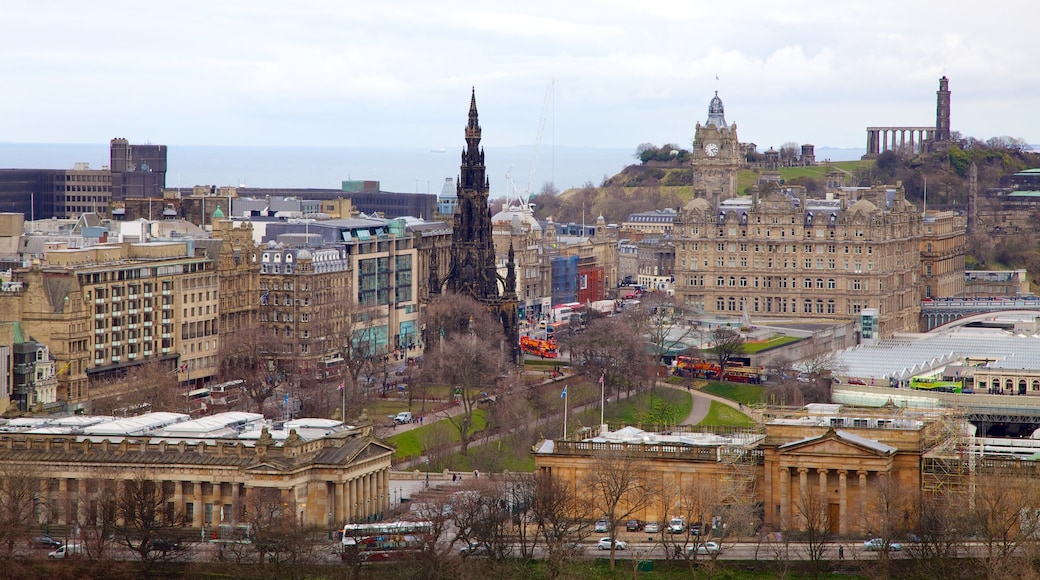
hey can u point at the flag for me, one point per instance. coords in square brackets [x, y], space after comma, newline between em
[340, 387]
[263, 298]
[563, 395]
[601, 379]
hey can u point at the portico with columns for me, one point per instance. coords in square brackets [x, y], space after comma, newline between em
[841, 466]
[902, 140]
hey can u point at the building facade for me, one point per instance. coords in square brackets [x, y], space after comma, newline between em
[778, 255]
[717, 155]
[943, 246]
[327, 473]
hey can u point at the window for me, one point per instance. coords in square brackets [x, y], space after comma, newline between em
[819, 283]
[807, 283]
[857, 284]
[830, 284]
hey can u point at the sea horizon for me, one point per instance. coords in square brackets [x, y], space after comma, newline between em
[402, 170]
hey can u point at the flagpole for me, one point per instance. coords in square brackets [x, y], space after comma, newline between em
[565, 405]
[602, 400]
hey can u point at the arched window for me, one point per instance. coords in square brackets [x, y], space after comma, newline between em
[732, 281]
[819, 283]
[830, 306]
[807, 283]
[720, 281]
[720, 304]
[830, 284]
[819, 306]
[807, 307]
[743, 281]
[732, 303]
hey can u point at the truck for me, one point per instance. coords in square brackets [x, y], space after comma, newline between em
[65, 551]
[401, 418]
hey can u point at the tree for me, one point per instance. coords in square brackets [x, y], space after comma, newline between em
[939, 524]
[617, 485]
[789, 153]
[725, 343]
[279, 539]
[1005, 517]
[815, 527]
[818, 368]
[887, 516]
[468, 356]
[19, 500]
[147, 516]
[481, 516]
[150, 386]
[662, 320]
[562, 516]
[611, 349]
[101, 521]
[255, 356]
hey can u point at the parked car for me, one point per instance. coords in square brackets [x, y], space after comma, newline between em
[677, 525]
[878, 544]
[696, 528]
[164, 546]
[604, 544]
[634, 526]
[652, 527]
[602, 525]
[705, 549]
[46, 542]
[66, 551]
[573, 548]
[474, 549]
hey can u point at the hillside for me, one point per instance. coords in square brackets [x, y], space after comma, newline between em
[663, 184]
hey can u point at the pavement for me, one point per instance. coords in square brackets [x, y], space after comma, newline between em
[702, 403]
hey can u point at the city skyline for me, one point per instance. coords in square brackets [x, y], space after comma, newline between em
[384, 75]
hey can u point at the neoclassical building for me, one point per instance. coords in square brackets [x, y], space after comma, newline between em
[823, 456]
[328, 472]
[783, 255]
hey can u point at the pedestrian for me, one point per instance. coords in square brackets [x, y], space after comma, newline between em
[420, 419]
[841, 552]
[476, 474]
[454, 477]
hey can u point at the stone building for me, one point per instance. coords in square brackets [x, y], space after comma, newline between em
[784, 256]
[326, 472]
[821, 452]
[717, 155]
[943, 245]
[108, 307]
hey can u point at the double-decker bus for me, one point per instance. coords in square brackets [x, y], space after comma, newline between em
[690, 367]
[742, 374]
[385, 540]
[538, 347]
[934, 384]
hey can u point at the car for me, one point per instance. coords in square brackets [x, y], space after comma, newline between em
[402, 417]
[705, 549]
[474, 549]
[634, 526]
[652, 527]
[696, 528]
[604, 544]
[677, 525]
[573, 548]
[164, 546]
[67, 550]
[857, 382]
[878, 544]
[47, 542]
[602, 525]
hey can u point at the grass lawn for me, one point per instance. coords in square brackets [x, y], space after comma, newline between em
[760, 345]
[721, 415]
[506, 453]
[747, 394]
[659, 406]
[410, 443]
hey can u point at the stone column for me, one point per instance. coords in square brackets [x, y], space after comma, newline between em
[803, 492]
[63, 496]
[234, 503]
[200, 510]
[823, 486]
[843, 501]
[862, 495]
[352, 501]
[785, 496]
[178, 495]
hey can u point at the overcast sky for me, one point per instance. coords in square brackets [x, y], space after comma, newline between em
[392, 73]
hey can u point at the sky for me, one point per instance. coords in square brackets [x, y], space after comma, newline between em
[600, 73]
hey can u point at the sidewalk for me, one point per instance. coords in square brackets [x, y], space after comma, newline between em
[702, 404]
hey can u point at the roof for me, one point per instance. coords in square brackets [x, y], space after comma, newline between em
[847, 436]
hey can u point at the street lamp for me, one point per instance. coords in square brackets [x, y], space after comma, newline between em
[427, 471]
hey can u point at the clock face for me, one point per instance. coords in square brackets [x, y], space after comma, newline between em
[711, 149]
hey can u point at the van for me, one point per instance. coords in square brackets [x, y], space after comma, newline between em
[402, 417]
[67, 550]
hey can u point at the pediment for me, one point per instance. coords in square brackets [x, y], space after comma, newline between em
[837, 444]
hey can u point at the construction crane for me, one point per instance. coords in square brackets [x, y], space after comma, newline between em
[523, 197]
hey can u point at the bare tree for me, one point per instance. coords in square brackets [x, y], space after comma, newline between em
[101, 520]
[939, 524]
[562, 516]
[617, 484]
[725, 343]
[1006, 519]
[887, 517]
[149, 520]
[817, 370]
[19, 500]
[255, 355]
[279, 538]
[150, 386]
[815, 527]
[662, 320]
[610, 348]
[482, 518]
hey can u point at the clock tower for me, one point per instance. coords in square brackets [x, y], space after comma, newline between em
[716, 156]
